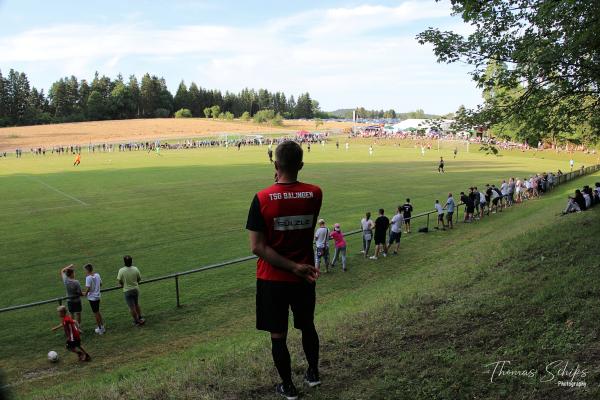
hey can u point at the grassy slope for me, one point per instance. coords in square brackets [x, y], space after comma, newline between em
[216, 302]
[420, 326]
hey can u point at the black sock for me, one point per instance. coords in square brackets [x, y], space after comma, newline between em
[281, 358]
[310, 343]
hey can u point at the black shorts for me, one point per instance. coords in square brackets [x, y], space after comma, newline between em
[407, 219]
[441, 217]
[322, 252]
[395, 237]
[470, 209]
[274, 299]
[73, 344]
[449, 215]
[495, 201]
[95, 305]
[74, 306]
[379, 238]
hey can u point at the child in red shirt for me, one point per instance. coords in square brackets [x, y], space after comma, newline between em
[72, 334]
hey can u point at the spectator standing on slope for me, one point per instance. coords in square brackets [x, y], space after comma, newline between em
[285, 272]
[74, 293]
[407, 210]
[367, 225]
[440, 214]
[396, 229]
[382, 224]
[340, 246]
[93, 282]
[129, 279]
[322, 245]
[449, 206]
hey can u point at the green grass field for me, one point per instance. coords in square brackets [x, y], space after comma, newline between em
[188, 208]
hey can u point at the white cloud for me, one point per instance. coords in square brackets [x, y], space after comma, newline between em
[340, 55]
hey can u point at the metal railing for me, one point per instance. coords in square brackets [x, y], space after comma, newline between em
[559, 180]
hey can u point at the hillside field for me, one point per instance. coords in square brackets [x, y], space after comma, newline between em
[187, 208]
[83, 133]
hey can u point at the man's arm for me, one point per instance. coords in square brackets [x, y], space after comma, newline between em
[63, 271]
[88, 283]
[54, 328]
[259, 247]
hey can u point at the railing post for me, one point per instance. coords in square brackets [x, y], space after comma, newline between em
[177, 289]
[428, 222]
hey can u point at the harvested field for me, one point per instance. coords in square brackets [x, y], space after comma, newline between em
[142, 129]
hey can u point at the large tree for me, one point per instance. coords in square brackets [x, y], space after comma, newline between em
[551, 53]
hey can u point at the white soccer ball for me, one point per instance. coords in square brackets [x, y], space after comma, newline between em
[52, 356]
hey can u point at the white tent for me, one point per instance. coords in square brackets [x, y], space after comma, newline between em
[420, 124]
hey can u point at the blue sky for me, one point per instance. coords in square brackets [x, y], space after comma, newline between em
[345, 53]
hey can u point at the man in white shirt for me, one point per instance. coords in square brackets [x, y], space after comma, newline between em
[396, 230]
[322, 245]
[93, 282]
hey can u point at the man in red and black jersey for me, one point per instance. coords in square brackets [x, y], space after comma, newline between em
[281, 222]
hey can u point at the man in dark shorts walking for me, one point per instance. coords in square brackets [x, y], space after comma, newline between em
[441, 166]
[382, 223]
[281, 221]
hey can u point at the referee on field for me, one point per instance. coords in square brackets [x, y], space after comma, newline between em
[281, 222]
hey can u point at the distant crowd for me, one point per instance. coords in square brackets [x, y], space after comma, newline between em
[157, 144]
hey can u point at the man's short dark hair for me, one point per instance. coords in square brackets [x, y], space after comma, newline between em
[408, 200]
[128, 261]
[289, 156]
[69, 272]
[381, 211]
[88, 267]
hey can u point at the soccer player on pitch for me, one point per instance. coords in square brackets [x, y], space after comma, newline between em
[281, 222]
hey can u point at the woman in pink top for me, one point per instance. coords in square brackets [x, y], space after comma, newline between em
[340, 246]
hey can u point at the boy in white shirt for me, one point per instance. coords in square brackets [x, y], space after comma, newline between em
[396, 230]
[440, 211]
[93, 282]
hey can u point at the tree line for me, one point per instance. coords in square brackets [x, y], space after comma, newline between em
[73, 100]
[536, 63]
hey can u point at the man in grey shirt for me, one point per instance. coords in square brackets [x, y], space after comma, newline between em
[73, 291]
